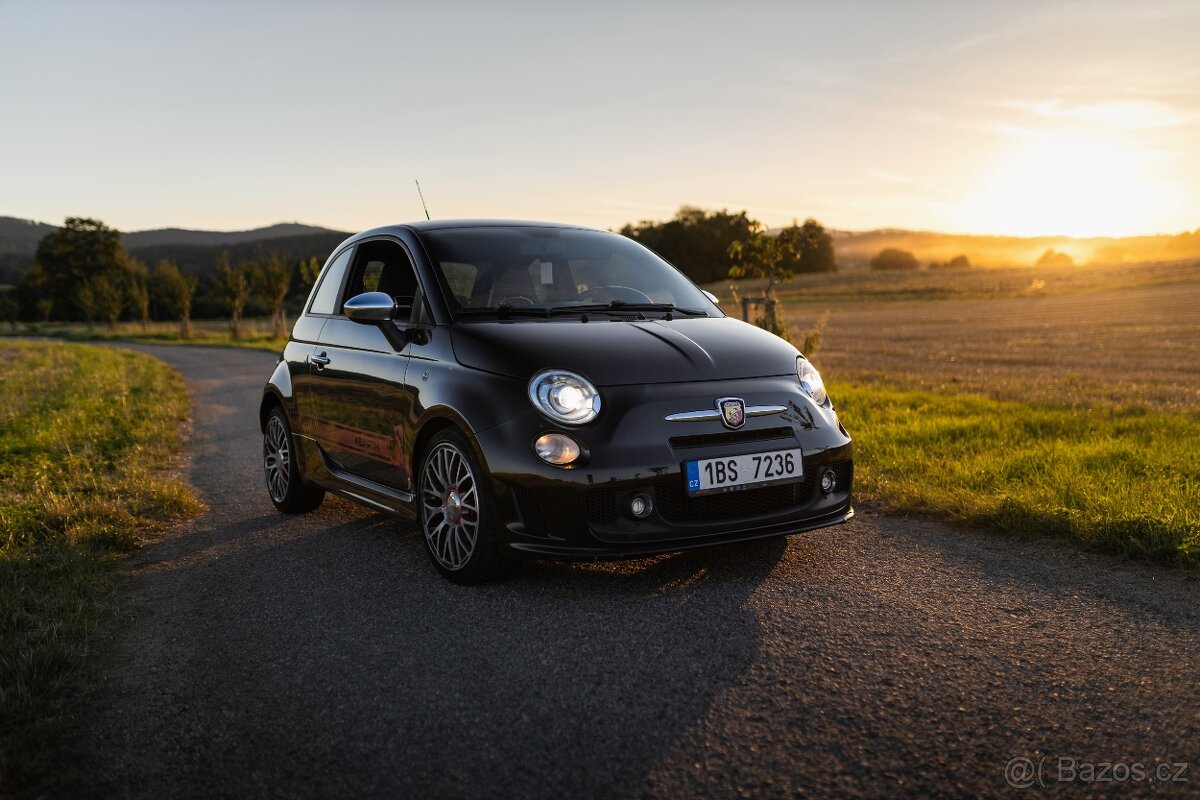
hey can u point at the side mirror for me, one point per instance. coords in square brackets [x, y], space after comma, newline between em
[370, 308]
[711, 297]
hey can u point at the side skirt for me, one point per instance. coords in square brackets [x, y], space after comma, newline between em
[317, 468]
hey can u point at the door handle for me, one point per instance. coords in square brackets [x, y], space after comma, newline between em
[321, 359]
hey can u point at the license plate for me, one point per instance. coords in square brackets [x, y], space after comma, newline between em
[712, 475]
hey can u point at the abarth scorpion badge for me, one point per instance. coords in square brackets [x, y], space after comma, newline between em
[733, 412]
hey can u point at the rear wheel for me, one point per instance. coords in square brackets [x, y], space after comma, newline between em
[288, 491]
[458, 517]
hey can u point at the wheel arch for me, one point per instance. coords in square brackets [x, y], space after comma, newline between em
[271, 399]
[278, 392]
[436, 421]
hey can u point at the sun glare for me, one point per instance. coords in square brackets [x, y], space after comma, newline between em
[1076, 184]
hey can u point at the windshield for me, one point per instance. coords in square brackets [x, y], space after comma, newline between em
[491, 268]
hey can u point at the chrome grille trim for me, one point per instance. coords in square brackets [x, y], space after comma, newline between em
[706, 416]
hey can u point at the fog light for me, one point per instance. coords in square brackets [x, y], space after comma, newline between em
[640, 506]
[828, 481]
[556, 448]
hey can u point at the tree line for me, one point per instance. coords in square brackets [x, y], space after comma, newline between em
[81, 273]
[699, 243]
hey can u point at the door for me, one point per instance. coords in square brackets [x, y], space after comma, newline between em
[358, 391]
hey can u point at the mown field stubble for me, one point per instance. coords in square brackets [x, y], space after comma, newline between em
[1062, 401]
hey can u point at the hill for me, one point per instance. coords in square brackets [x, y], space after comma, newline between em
[191, 249]
[183, 236]
[856, 249]
[200, 259]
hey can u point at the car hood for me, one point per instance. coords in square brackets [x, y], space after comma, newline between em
[610, 352]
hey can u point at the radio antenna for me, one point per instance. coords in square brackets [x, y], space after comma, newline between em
[421, 195]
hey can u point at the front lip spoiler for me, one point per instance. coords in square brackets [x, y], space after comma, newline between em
[615, 552]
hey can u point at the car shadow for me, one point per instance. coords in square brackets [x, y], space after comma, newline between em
[322, 654]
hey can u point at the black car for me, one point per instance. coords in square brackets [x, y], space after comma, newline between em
[526, 389]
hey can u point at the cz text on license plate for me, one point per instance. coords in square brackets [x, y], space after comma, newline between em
[711, 475]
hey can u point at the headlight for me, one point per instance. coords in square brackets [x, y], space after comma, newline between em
[810, 381]
[564, 396]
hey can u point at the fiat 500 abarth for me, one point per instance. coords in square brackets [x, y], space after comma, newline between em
[525, 389]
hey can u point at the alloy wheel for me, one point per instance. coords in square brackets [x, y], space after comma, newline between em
[449, 506]
[277, 458]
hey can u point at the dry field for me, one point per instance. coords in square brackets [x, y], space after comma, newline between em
[1128, 336]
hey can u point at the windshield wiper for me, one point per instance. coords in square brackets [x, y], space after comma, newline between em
[615, 307]
[503, 311]
[620, 306]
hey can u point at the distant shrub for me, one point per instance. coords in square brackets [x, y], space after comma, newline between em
[810, 339]
[958, 262]
[892, 258]
[1053, 258]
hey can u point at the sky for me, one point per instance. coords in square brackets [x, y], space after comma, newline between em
[1018, 118]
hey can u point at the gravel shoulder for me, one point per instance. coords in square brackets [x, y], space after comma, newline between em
[263, 655]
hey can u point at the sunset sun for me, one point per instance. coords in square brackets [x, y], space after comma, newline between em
[1074, 183]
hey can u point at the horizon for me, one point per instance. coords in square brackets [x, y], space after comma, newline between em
[1022, 119]
[832, 230]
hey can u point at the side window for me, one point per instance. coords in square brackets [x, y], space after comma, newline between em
[383, 267]
[371, 273]
[325, 297]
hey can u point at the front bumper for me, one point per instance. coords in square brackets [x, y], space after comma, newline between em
[582, 511]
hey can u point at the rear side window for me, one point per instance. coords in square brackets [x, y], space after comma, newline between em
[325, 300]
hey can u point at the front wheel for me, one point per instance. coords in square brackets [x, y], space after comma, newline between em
[458, 517]
[288, 491]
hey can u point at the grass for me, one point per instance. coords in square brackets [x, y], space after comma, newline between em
[87, 439]
[256, 334]
[1073, 410]
[1122, 480]
[867, 287]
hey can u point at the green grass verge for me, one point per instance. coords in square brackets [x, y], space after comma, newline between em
[1122, 480]
[85, 435]
[206, 333]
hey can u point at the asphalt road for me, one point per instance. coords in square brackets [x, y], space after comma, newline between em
[321, 656]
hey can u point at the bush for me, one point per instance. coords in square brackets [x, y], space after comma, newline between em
[892, 258]
[958, 262]
[1053, 258]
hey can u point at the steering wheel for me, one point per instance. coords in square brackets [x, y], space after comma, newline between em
[515, 300]
[625, 294]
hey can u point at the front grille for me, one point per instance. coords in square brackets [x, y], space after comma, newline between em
[845, 474]
[730, 437]
[602, 506]
[676, 506]
[530, 510]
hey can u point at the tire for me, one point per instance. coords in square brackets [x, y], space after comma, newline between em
[457, 513]
[287, 489]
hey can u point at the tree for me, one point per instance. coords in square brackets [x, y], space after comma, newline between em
[958, 262]
[33, 294]
[813, 246]
[85, 301]
[272, 278]
[761, 255]
[310, 270]
[177, 290]
[108, 290]
[233, 287]
[696, 241]
[892, 258]
[139, 290]
[1053, 258]
[9, 307]
[71, 256]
